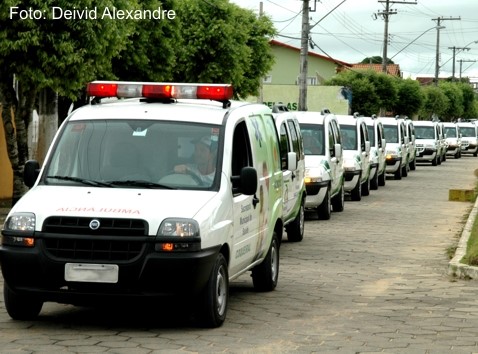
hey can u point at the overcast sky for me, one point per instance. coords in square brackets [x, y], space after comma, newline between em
[355, 30]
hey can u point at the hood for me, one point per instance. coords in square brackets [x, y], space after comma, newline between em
[152, 205]
[313, 161]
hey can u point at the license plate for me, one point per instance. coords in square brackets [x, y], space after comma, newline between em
[92, 273]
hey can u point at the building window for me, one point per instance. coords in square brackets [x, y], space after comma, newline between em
[267, 79]
[311, 80]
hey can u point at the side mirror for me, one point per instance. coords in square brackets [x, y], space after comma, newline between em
[384, 143]
[292, 161]
[338, 151]
[31, 172]
[367, 146]
[248, 180]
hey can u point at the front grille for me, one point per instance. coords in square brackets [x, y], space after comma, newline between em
[108, 226]
[93, 250]
[71, 238]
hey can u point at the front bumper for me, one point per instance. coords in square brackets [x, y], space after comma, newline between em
[351, 178]
[150, 273]
[393, 164]
[315, 193]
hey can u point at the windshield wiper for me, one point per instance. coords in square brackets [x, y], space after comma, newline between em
[88, 182]
[140, 183]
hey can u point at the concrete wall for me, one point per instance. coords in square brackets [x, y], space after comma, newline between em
[6, 173]
[318, 97]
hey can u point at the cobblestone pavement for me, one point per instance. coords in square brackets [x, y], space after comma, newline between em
[372, 279]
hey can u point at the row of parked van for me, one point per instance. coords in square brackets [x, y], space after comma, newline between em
[352, 155]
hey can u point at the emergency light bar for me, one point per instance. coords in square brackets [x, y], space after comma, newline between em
[159, 90]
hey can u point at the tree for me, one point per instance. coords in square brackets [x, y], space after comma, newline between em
[56, 56]
[221, 42]
[454, 109]
[410, 98]
[469, 98]
[375, 60]
[435, 103]
[150, 51]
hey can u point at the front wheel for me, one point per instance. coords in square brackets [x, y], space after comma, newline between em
[266, 274]
[323, 211]
[356, 193]
[215, 296]
[338, 200]
[295, 230]
[20, 306]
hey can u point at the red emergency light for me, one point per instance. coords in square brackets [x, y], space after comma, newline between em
[160, 90]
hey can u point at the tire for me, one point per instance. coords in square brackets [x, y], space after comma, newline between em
[266, 274]
[435, 161]
[366, 187]
[405, 170]
[295, 230]
[413, 165]
[443, 157]
[20, 306]
[382, 179]
[324, 209]
[338, 201]
[398, 174]
[374, 181]
[439, 160]
[356, 193]
[215, 296]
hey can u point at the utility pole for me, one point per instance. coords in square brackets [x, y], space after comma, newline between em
[385, 14]
[465, 61]
[454, 53]
[304, 52]
[437, 57]
[261, 84]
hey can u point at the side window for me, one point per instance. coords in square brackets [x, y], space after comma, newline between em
[295, 138]
[332, 138]
[284, 146]
[241, 153]
[363, 136]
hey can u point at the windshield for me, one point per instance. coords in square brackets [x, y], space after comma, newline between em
[313, 136]
[371, 134]
[468, 132]
[135, 154]
[391, 133]
[425, 132]
[450, 132]
[349, 137]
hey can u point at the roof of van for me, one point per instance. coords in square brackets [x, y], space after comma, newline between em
[190, 110]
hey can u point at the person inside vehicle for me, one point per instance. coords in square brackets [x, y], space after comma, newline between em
[204, 166]
[311, 145]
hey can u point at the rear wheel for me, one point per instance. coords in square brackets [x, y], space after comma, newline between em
[295, 230]
[266, 274]
[21, 306]
[323, 211]
[215, 296]
[405, 170]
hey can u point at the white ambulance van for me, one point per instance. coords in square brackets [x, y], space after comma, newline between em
[171, 190]
[293, 169]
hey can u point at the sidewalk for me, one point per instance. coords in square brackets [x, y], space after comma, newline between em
[456, 268]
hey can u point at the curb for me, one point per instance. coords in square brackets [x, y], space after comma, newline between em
[455, 267]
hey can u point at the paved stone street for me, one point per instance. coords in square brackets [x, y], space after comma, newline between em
[373, 279]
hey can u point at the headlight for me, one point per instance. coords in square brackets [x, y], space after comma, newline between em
[350, 165]
[19, 229]
[21, 222]
[179, 227]
[313, 175]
